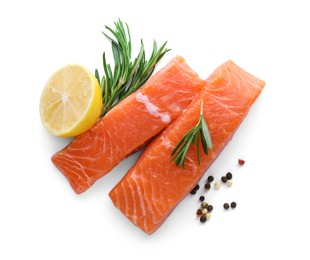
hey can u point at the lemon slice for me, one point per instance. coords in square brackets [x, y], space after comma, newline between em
[71, 101]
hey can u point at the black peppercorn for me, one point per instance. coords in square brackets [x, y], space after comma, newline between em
[210, 208]
[199, 212]
[224, 179]
[210, 179]
[193, 192]
[203, 219]
[233, 205]
[201, 198]
[226, 206]
[229, 176]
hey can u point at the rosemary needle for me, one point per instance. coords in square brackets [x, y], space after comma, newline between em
[127, 75]
[198, 134]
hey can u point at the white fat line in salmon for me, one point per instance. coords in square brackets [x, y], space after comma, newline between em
[152, 109]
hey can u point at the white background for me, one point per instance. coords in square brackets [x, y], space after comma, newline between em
[42, 218]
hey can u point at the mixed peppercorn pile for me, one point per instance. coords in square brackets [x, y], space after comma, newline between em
[204, 212]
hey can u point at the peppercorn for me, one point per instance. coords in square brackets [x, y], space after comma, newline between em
[201, 198]
[204, 204]
[193, 192]
[208, 186]
[224, 179]
[241, 162]
[203, 219]
[229, 183]
[229, 176]
[210, 179]
[208, 215]
[233, 205]
[217, 185]
[204, 211]
[210, 208]
[226, 206]
[199, 212]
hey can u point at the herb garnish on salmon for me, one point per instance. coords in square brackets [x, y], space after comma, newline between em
[128, 75]
[198, 134]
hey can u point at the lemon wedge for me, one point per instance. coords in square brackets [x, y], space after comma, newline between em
[71, 101]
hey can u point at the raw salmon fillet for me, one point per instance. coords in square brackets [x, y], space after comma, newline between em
[154, 186]
[129, 125]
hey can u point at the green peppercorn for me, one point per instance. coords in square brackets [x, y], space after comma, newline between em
[229, 176]
[208, 186]
[226, 206]
[233, 205]
[203, 219]
[204, 205]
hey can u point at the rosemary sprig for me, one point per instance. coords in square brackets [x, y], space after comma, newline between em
[198, 134]
[127, 75]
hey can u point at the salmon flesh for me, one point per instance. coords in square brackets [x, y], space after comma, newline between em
[154, 186]
[129, 125]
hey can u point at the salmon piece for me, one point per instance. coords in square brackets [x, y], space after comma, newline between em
[129, 125]
[154, 186]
